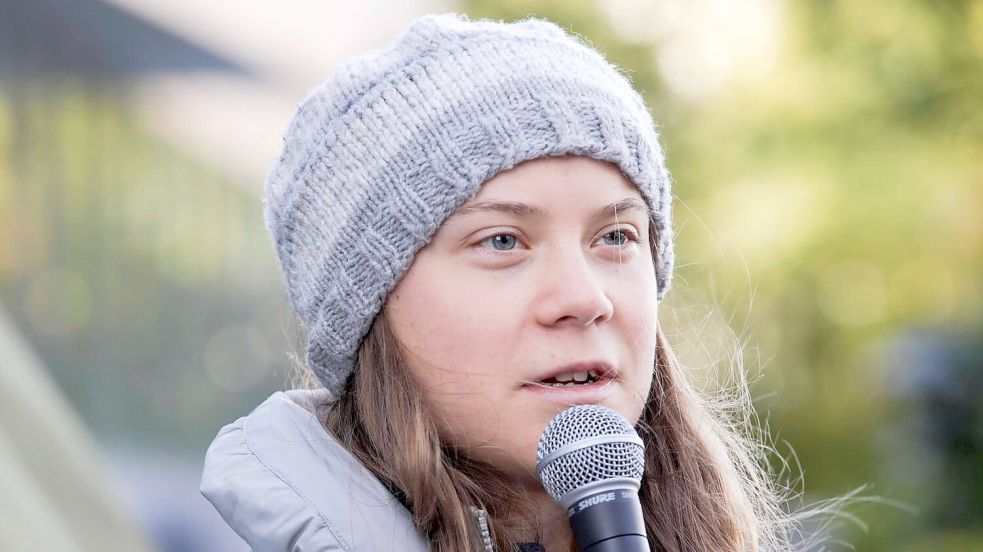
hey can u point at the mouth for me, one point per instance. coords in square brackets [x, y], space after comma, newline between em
[579, 375]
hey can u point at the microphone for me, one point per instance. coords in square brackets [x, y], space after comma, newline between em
[590, 460]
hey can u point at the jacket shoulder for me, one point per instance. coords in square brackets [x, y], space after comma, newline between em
[282, 482]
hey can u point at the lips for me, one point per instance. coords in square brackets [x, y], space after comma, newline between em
[578, 372]
[548, 386]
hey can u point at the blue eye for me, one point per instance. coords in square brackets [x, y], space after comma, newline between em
[622, 237]
[502, 242]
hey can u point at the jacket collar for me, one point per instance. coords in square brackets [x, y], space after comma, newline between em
[284, 483]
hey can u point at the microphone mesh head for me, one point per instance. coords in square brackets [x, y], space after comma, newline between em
[592, 462]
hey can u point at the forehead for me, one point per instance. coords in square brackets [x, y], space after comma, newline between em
[623, 207]
[551, 184]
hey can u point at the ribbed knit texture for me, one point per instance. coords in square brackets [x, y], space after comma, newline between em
[379, 155]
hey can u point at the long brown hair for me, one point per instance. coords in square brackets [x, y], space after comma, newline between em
[706, 485]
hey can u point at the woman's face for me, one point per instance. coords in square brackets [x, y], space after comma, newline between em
[544, 279]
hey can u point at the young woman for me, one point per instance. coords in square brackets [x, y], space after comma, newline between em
[474, 225]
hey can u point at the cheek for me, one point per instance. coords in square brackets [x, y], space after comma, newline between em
[456, 339]
[634, 293]
[639, 309]
[447, 324]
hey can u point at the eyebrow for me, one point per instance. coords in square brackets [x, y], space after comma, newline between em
[628, 204]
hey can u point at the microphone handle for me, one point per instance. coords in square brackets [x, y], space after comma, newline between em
[626, 543]
[609, 521]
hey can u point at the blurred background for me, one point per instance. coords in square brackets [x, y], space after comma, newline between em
[827, 158]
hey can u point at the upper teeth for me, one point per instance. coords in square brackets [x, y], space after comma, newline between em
[577, 376]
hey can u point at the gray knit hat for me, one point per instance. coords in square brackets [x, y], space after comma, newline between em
[379, 155]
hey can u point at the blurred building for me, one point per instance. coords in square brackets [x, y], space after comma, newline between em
[143, 299]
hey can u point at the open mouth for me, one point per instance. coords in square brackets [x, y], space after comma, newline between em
[572, 379]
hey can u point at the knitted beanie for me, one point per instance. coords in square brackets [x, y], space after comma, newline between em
[396, 139]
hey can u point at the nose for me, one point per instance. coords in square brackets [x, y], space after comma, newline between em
[572, 292]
